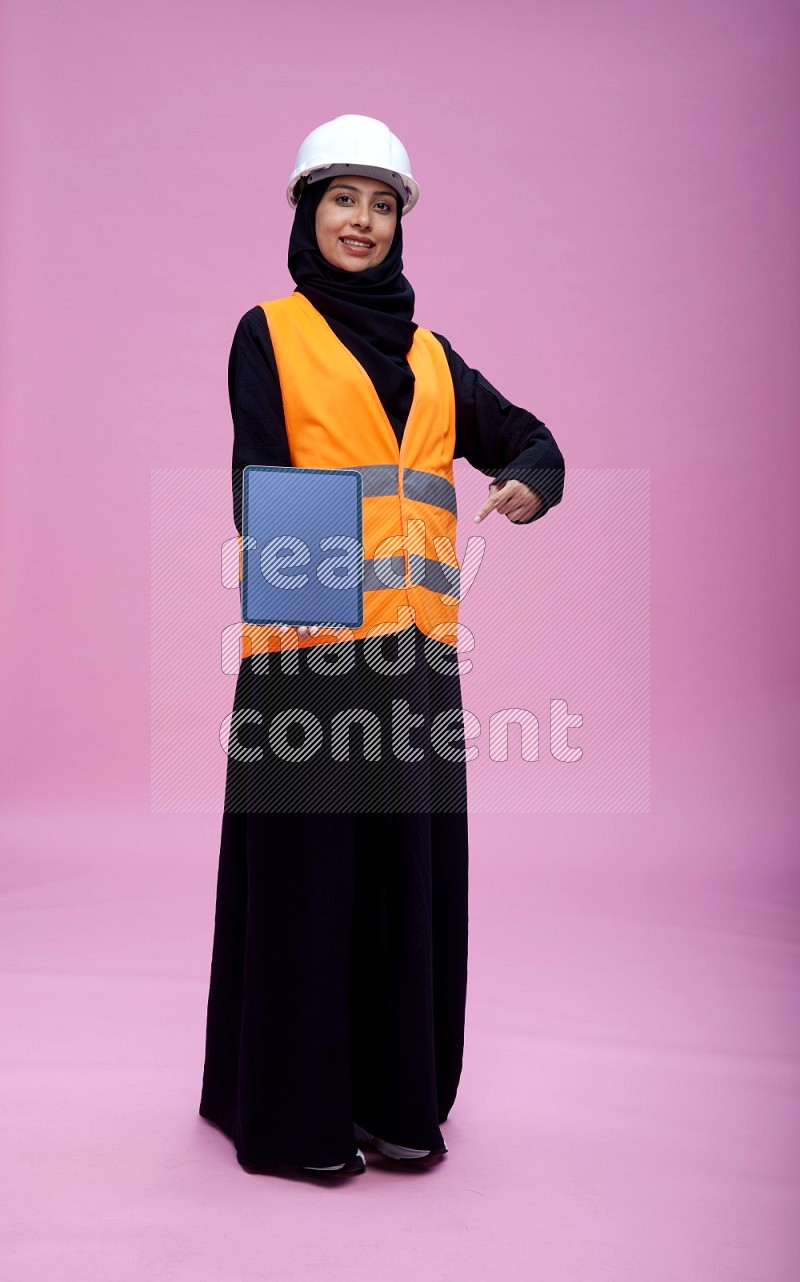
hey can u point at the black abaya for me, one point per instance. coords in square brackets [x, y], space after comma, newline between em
[339, 965]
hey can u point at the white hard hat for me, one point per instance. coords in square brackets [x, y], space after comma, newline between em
[357, 145]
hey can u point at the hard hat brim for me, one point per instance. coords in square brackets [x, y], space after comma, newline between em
[405, 186]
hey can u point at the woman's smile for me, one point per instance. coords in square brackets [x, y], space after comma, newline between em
[361, 246]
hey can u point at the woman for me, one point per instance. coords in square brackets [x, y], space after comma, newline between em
[338, 977]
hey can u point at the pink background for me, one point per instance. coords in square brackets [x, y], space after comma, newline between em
[608, 230]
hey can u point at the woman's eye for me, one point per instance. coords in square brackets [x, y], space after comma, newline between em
[384, 205]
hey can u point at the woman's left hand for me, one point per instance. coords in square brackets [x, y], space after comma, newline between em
[514, 499]
[302, 630]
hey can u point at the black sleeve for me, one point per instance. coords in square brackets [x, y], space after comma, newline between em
[502, 440]
[259, 424]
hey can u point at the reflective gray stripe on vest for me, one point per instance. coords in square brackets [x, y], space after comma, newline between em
[384, 572]
[434, 575]
[429, 487]
[380, 480]
[389, 572]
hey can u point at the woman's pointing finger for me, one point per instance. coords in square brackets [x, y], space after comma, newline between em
[491, 503]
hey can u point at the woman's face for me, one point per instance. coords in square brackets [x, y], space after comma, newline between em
[355, 222]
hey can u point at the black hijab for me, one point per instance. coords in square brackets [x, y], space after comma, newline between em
[370, 311]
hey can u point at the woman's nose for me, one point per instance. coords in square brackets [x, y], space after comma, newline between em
[361, 216]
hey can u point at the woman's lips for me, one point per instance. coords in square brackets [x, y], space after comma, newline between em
[354, 247]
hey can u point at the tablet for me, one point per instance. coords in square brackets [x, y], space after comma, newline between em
[302, 550]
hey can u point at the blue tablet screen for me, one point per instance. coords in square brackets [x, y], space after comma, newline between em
[303, 558]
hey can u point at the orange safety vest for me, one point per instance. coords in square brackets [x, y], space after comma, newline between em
[335, 419]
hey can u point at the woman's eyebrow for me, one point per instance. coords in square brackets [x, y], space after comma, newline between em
[349, 187]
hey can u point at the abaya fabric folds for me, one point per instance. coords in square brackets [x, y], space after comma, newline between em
[339, 965]
[338, 983]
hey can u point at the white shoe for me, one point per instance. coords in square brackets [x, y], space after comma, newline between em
[355, 1166]
[383, 1146]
